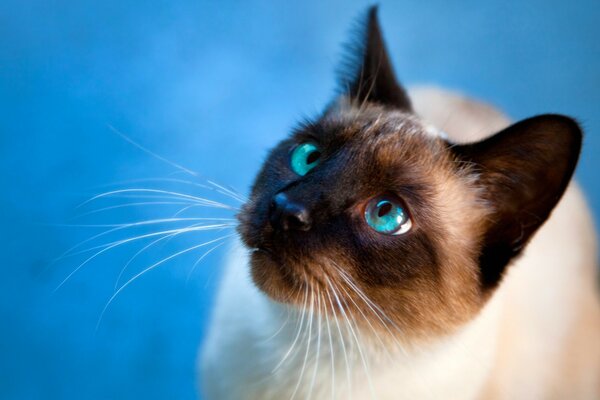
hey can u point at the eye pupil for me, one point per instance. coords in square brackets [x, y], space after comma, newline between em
[384, 209]
[312, 157]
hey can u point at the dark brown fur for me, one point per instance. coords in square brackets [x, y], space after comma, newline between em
[473, 207]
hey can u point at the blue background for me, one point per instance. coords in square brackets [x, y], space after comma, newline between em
[210, 86]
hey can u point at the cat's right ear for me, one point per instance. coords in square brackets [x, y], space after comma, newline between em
[367, 75]
[523, 171]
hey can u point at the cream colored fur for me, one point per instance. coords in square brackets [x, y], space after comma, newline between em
[537, 338]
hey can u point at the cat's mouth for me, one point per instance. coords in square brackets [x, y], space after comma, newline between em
[262, 249]
[285, 277]
[282, 264]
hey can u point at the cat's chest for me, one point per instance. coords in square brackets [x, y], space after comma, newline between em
[266, 352]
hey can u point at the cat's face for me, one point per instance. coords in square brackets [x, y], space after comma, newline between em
[372, 214]
[426, 262]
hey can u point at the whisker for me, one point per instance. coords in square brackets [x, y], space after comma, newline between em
[184, 209]
[167, 237]
[211, 186]
[157, 180]
[142, 196]
[278, 331]
[226, 191]
[337, 323]
[284, 324]
[366, 319]
[105, 248]
[318, 355]
[150, 268]
[69, 253]
[173, 164]
[330, 353]
[202, 257]
[297, 334]
[308, 342]
[153, 154]
[196, 199]
[144, 203]
[366, 299]
[147, 222]
[146, 247]
[360, 352]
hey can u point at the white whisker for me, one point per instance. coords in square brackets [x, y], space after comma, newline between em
[173, 164]
[337, 323]
[170, 236]
[202, 257]
[318, 355]
[147, 222]
[143, 203]
[196, 227]
[146, 247]
[150, 268]
[287, 320]
[308, 342]
[184, 209]
[107, 247]
[153, 154]
[195, 199]
[69, 251]
[330, 353]
[297, 334]
[229, 192]
[156, 180]
[379, 313]
[353, 333]
[366, 319]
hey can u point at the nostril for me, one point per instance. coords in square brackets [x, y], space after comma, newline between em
[300, 220]
[286, 215]
[272, 207]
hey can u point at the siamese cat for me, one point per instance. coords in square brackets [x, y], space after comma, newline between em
[415, 247]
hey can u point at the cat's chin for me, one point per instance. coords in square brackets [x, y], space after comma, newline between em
[280, 282]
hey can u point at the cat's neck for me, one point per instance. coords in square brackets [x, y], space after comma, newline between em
[288, 354]
[362, 368]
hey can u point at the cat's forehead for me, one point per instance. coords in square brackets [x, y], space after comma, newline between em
[351, 119]
[375, 131]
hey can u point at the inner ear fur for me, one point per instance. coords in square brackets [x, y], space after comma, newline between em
[523, 171]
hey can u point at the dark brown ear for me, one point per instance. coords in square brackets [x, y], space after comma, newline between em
[524, 170]
[367, 74]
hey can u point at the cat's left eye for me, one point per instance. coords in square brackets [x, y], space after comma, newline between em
[386, 214]
[305, 157]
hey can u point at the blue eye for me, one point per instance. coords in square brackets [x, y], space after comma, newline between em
[385, 214]
[304, 158]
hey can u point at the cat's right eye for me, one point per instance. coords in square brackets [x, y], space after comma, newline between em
[305, 157]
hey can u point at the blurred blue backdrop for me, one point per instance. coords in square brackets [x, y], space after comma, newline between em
[210, 86]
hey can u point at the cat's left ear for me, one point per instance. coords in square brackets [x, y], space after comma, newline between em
[368, 75]
[523, 172]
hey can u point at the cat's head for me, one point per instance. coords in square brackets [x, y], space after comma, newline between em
[370, 213]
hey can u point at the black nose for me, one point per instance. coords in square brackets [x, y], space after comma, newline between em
[285, 214]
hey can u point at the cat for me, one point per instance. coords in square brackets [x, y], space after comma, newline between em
[384, 258]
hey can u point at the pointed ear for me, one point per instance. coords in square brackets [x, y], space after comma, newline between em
[523, 171]
[368, 74]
